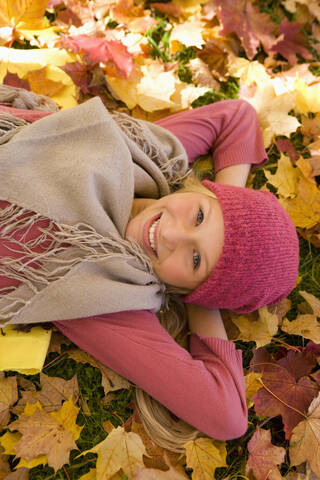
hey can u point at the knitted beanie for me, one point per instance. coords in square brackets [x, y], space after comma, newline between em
[259, 261]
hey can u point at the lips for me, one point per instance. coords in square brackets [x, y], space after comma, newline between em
[145, 234]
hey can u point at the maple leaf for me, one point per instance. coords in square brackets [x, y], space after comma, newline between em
[293, 42]
[304, 209]
[23, 13]
[54, 391]
[252, 384]
[286, 177]
[169, 9]
[174, 473]
[204, 455]
[305, 439]
[307, 99]
[264, 457]
[9, 441]
[43, 434]
[188, 33]
[8, 396]
[101, 50]
[305, 325]
[284, 145]
[120, 449]
[4, 464]
[287, 391]
[110, 380]
[251, 26]
[259, 330]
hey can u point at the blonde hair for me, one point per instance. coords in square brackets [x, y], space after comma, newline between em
[156, 419]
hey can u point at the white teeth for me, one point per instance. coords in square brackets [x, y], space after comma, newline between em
[151, 234]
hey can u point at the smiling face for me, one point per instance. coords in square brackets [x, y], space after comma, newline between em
[182, 234]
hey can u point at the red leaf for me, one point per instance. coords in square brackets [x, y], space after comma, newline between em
[284, 145]
[264, 456]
[13, 80]
[251, 26]
[79, 74]
[287, 390]
[102, 50]
[293, 42]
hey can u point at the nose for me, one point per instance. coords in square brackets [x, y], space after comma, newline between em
[174, 234]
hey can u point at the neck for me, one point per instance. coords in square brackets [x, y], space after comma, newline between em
[140, 204]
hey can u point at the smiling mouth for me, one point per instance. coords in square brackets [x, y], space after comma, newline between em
[152, 235]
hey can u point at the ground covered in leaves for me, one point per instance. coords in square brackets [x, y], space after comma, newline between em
[75, 419]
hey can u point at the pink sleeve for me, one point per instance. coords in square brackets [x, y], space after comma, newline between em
[228, 128]
[205, 388]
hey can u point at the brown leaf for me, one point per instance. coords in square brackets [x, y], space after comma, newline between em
[43, 435]
[22, 473]
[293, 42]
[155, 453]
[305, 439]
[4, 465]
[264, 456]
[168, 8]
[285, 392]
[173, 473]
[110, 380]
[57, 339]
[8, 396]
[251, 26]
[54, 391]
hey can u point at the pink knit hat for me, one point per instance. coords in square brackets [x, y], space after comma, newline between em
[259, 262]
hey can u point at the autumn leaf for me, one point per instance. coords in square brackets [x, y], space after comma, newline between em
[23, 13]
[251, 26]
[306, 326]
[101, 50]
[287, 390]
[286, 177]
[4, 464]
[204, 455]
[9, 441]
[173, 473]
[44, 434]
[8, 396]
[120, 449]
[188, 34]
[252, 384]
[304, 209]
[293, 42]
[259, 330]
[305, 439]
[264, 456]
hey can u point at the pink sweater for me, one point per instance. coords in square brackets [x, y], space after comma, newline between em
[204, 387]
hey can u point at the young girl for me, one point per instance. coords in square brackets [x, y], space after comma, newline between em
[104, 234]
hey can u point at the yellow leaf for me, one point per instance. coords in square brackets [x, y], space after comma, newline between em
[308, 97]
[91, 475]
[23, 13]
[305, 439]
[306, 168]
[24, 62]
[188, 33]
[252, 384]
[120, 449]
[247, 72]
[286, 177]
[304, 209]
[260, 331]
[313, 302]
[67, 416]
[31, 408]
[204, 455]
[9, 441]
[305, 325]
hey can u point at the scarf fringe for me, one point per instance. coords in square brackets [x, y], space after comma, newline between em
[22, 98]
[173, 172]
[37, 270]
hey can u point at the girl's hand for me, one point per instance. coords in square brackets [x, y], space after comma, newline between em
[235, 175]
[206, 321]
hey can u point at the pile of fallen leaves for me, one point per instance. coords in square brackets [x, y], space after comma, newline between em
[75, 419]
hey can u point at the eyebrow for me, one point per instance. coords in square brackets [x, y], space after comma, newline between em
[208, 218]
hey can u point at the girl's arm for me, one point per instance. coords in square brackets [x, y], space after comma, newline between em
[206, 321]
[203, 387]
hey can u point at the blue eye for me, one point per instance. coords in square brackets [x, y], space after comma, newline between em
[196, 260]
[200, 216]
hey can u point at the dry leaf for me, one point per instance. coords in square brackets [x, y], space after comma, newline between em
[252, 384]
[305, 325]
[260, 330]
[304, 209]
[305, 439]
[8, 396]
[286, 177]
[174, 473]
[264, 456]
[204, 455]
[120, 449]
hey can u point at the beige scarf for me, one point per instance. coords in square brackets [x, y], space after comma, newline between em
[81, 168]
